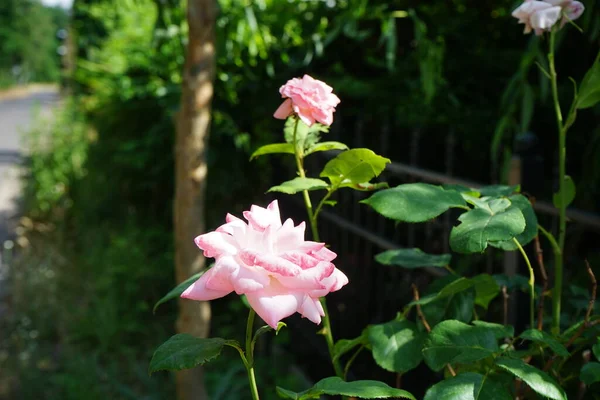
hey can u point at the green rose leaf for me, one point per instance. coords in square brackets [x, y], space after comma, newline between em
[569, 188]
[499, 190]
[298, 185]
[274, 148]
[480, 226]
[486, 289]
[499, 331]
[396, 345]
[452, 342]
[179, 289]
[326, 146]
[365, 187]
[343, 346]
[412, 258]
[589, 91]
[468, 386]
[545, 339]
[336, 386]
[414, 202]
[306, 136]
[538, 380]
[354, 166]
[531, 224]
[185, 351]
[462, 189]
[590, 373]
[456, 286]
[596, 350]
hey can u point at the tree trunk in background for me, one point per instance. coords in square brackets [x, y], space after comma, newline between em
[193, 123]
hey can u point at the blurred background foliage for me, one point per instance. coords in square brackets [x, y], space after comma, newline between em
[29, 42]
[97, 234]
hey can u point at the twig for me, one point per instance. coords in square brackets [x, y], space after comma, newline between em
[425, 323]
[540, 260]
[398, 380]
[505, 297]
[594, 288]
[419, 311]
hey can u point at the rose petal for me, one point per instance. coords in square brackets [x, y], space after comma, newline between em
[215, 244]
[199, 291]
[311, 309]
[273, 305]
[284, 110]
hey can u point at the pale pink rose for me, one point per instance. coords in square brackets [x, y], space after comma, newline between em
[310, 99]
[279, 272]
[571, 9]
[539, 16]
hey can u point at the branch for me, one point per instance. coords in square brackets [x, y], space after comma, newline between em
[425, 323]
[540, 260]
[594, 288]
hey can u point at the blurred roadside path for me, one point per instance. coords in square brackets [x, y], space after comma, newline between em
[17, 111]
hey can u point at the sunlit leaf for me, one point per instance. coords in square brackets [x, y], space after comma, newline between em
[275, 148]
[481, 226]
[354, 166]
[414, 202]
[538, 380]
[468, 386]
[298, 185]
[336, 386]
[396, 345]
[454, 342]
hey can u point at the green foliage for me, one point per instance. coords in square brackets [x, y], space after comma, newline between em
[184, 351]
[538, 380]
[453, 342]
[414, 202]
[543, 338]
[569, 188]
[298, 185]
[494, 220]
[413, 258]
[178, 290]
[326, 146]
[531, 224]
[468, 386]
[336, 386]
[353, 167]
[28, 41]
[589, 91]
[275, 148]
[396, 345]
[590, 373]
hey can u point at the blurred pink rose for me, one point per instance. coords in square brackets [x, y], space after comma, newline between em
[538, 16]
[571, 9]
[279, 272]
[310, 99]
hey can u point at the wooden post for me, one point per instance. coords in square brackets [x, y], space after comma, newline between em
[193, 123]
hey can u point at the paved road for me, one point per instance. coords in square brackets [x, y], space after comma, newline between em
[16, 116]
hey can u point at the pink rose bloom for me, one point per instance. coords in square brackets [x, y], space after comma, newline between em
[279, 272]
[539, 16]
[310, 99]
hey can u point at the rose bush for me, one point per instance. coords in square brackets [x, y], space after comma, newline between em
[279, 272]
[312, 100]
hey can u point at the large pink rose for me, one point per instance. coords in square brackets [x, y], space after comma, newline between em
[310, 99]
[279, 272]
[538, 16]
